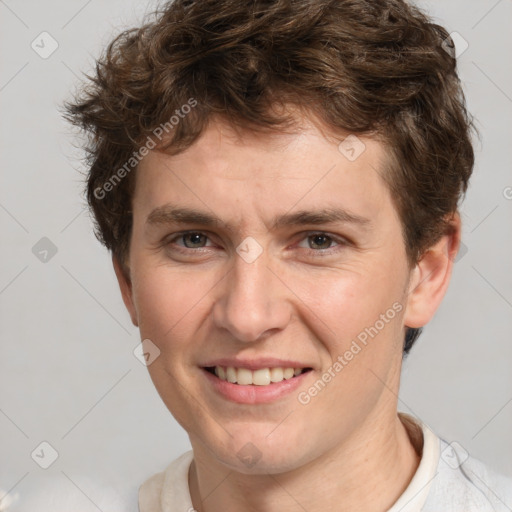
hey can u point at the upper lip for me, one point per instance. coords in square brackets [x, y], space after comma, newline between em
[255, 364]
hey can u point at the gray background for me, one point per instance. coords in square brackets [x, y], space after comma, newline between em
[68, 374]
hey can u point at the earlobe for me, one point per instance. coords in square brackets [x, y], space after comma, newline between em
[125, 286]
[431, 277]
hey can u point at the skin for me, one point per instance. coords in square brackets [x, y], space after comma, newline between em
[346, 449]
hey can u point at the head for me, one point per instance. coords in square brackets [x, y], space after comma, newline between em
[249, 113]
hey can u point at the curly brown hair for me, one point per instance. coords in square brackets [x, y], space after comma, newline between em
[375, 67]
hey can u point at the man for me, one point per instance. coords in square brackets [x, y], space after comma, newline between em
[278, 183]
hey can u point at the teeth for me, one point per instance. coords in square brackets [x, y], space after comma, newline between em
[288, 373]
[261, 377]
[276, 374]
[244, 376]
[230, 374]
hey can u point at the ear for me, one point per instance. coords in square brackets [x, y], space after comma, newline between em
[430, 278]
[125, 285]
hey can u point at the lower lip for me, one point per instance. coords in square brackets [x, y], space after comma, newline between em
[252, 394]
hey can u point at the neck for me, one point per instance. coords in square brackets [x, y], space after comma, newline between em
[368, 472]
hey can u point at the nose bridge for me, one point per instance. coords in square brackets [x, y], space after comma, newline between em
[252, 302]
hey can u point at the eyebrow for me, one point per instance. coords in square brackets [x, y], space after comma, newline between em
[170, 214]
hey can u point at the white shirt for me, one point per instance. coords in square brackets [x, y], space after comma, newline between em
[446, 480]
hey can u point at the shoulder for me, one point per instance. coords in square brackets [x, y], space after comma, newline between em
[168, 489]
[467, 484]
[449, 479]
[150, 492]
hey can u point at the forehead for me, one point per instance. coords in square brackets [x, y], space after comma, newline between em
[239, 173]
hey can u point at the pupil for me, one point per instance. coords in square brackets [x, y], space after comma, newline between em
[324, 237]
[195, 237]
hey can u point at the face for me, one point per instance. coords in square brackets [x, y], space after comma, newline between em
[262, 289]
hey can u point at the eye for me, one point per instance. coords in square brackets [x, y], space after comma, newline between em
[322, 242]
[191, 240]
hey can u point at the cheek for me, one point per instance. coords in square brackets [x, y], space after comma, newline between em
[163, 300]
[343, 303]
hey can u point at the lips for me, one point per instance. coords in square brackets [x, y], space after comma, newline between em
[251, 387]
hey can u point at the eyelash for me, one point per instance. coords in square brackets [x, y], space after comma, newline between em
[316, 252]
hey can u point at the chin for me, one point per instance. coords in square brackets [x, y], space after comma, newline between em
[254, 452]
[253, 461]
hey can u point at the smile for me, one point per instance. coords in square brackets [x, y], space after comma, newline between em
[258, 386]
[260, 377]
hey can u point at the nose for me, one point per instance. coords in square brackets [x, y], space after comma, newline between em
[253, 302]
